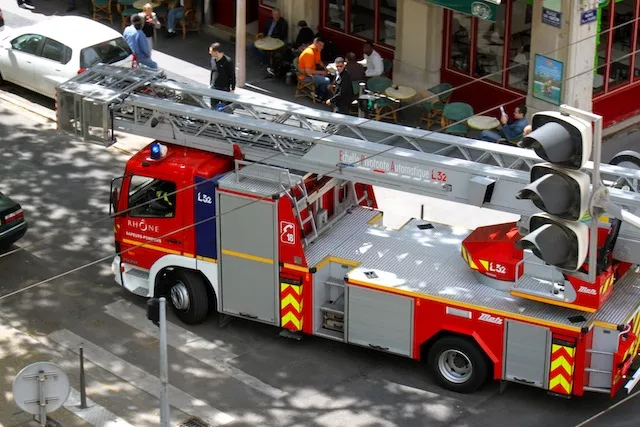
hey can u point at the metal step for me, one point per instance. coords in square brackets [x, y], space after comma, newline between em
[606, 353]
[598, 371]
[334, 281]
[598, 389]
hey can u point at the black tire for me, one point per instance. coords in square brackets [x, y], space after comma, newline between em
[198, 304]
[462, 351]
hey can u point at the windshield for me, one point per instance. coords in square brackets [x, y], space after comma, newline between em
[106, 52]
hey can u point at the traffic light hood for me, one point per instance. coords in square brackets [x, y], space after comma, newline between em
[560, 139]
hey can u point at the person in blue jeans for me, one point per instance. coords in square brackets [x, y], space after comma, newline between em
[511, 130]
[138, 42]
[175, 13]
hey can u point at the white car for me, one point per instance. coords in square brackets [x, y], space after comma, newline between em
[41, 56]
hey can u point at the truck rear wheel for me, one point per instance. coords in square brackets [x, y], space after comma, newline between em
[188, 296]
[457, 364]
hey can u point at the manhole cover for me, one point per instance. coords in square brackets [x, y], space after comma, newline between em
[194, 422]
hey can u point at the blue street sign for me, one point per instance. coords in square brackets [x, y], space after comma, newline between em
[551, 17]
[588, 16]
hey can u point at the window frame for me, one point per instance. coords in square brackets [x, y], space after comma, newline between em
[40, 45]
[347, 22]
[612, 87]
[271, 5]
[473, 49]
[67, 52]
[144, 188]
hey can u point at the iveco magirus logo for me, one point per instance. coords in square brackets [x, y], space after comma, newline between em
[480, 10]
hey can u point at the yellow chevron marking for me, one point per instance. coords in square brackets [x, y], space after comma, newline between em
[289, 317]
[484, 263]
[296, 289]
[290, 300]
[570, 350]
[472, 264]
[564, 363]
[560, 380]
[464, 255]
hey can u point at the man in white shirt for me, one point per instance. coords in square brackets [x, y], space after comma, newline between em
[372, 60]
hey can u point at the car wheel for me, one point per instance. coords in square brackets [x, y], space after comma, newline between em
[188, 296]
[457, 364]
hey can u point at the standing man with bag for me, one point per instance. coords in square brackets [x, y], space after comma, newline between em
[343, 95]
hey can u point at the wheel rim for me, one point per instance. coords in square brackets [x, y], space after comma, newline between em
[180, 296]
[455, 366]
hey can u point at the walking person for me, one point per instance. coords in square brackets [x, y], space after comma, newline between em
[151, 23]
[138, 42]
[343, 95]
[223, 74]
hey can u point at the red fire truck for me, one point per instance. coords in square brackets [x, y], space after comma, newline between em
[269, 214]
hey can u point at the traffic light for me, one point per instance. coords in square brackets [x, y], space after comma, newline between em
[559, 189]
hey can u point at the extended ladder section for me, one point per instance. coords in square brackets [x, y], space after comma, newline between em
[107, 99]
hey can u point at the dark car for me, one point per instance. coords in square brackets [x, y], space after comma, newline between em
[12, 222]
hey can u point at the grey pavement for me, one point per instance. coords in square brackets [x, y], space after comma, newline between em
[260, 379]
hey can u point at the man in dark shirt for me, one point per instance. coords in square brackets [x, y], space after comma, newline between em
[356, 70]
[223, 75]
[276, 26]
[343, 94]
[305, 35]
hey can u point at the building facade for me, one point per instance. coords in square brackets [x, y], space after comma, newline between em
[584, 53]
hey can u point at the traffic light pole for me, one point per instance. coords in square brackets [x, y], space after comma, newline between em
[596, 183]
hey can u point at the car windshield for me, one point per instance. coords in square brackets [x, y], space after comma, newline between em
[106, 52]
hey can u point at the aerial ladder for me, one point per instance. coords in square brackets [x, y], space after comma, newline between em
[283, 142]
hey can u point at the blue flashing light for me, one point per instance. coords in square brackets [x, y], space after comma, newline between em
[158, 151]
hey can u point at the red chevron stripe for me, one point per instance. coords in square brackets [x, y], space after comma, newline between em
[290, 325]
[290, 309]
[561, 371]
[290, 291]
[559, 389]
[562, 352]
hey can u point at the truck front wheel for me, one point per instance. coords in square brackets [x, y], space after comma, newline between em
[188, 296]
[457, 364]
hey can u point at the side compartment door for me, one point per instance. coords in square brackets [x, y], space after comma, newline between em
[380, 320]
[526, 358]
[248, 257]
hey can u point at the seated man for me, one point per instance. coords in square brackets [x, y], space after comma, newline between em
[310, 62]
[176, 12]
[275, 27]
[511, 130]
[355, 69]
[372, 60]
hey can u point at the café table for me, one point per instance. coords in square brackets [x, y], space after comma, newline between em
[270, 45]
[139, 4]
[483, 123]
[400, 93]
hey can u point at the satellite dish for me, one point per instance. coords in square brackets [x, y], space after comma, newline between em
[41, 382]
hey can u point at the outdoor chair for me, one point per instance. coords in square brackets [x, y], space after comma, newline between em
[127, 13]
[443, 90]
[305, 86]
[102, 10]
[189, 20]
[383, 105]
[387, 67]
[454, 118]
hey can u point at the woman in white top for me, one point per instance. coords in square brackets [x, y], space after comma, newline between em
[151, 23]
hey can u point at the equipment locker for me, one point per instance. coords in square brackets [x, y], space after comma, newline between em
[526, 356]
[248, 258]
[380, 320]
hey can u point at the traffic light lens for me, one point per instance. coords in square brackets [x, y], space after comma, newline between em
[555, 195]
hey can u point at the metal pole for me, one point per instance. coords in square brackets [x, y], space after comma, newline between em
[595, 181]
[361, 88]
[164, 366]
[83, 387]
[43, 400]
[421, 211]
[241, 42]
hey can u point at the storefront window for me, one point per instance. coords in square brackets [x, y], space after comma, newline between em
[387, 22]
[335, 14]
[618, 22]
[460, 27]
[520, 45]
[363, 16]
[269, 3]
[637, 50]
[490, 47]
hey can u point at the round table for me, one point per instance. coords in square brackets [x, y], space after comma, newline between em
[139, 4]
[401, 94]
[483, 122]
[269, 44]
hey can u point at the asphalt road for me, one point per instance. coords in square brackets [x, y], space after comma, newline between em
[63, 186]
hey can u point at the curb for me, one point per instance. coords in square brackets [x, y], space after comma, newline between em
[28, 106]
[47, 114]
